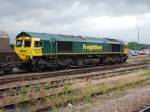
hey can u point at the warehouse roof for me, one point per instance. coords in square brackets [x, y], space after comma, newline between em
[70, 38]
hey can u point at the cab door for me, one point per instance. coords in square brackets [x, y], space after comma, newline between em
[54, 47]
[37, 49]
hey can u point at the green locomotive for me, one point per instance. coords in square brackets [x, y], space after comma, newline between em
[41, 50]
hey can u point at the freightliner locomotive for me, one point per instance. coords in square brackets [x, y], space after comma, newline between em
[38, 51]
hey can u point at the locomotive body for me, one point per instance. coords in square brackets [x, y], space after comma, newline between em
[41, 49]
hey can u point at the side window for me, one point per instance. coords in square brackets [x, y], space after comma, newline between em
[115, 47]
[64, 46]
[38, 44]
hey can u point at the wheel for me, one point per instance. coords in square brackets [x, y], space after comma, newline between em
[108, 61]
[1, 72]
[78, 62]
[9, 59]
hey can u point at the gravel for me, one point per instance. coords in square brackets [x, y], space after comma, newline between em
[131, 101]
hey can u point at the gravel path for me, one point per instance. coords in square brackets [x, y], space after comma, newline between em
[131, 101]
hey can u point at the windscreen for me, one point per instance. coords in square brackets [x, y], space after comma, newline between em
[19, 43]
[27, 43]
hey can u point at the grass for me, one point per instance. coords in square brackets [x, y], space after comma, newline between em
[85, 94]
[118, 86]
[1, 110]
[67, 86]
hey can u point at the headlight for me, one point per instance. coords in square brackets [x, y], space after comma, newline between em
[27, 57]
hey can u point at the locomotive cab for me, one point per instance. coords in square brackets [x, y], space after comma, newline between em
[27, 47]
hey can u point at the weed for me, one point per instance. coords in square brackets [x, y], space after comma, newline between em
[55, 109]
[87, 93]
[147, 71]
[37, 86]
[66, 86]
[23, 90]
[102, 88]
[1, 110]
[47, 85]
[17, 109]
[7, 100]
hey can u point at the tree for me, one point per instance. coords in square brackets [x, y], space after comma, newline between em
[136, 46]
[11, 46]
[133, 45]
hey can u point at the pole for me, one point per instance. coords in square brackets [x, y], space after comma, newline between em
[138, 28]
[138, 34]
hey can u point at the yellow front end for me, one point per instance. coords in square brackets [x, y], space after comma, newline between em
[27, 48]
[126, 49]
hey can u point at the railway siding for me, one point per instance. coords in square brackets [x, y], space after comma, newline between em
[61, 79]
[100, 87]
[59, 90]
[63, 73]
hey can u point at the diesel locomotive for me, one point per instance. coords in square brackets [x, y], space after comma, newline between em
[42, 50]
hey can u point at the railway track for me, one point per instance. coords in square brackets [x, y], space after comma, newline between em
[35, 76]
[58, 80]
[96, 75]
[147, 109]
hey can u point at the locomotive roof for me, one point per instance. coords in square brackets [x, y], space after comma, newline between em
[70, 38]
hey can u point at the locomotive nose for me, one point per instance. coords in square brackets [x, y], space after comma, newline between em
[22, 53]
[25, 54]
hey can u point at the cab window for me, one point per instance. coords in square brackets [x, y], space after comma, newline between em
[27, 43]
[37, 44]
[19, 43]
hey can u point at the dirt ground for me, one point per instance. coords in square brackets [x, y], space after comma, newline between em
[139, 58]
[130, 100]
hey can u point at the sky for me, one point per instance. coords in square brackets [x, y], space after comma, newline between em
[97, 18]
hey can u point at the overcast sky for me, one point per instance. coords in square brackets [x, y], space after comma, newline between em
[99, 18]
